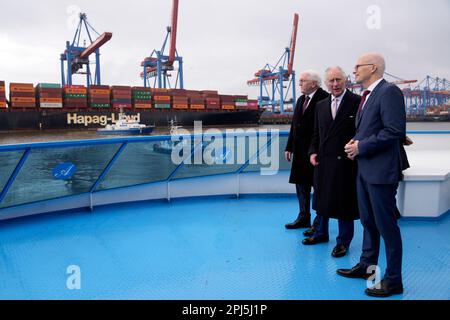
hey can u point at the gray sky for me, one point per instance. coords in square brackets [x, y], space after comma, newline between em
[224, 42]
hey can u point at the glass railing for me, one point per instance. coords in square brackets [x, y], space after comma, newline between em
[36, 172]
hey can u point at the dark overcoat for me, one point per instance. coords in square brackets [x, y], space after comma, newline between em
[335, 176]
[300, 135]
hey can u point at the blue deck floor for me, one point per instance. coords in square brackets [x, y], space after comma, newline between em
[214, 248]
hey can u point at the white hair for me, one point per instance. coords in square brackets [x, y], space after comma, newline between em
[344, 75]
[313, 76]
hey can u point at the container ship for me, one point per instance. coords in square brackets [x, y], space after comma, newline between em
[52, 106]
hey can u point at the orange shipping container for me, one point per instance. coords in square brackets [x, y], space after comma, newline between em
[25, 100]
[161, 98]
[180, 106]
[75, 91]
[99, 92]
[21, 87]
[142, 106]
[228, 107]
[51, 100]
[198, 106]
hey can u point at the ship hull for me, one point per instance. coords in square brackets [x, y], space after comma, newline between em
[78, 120]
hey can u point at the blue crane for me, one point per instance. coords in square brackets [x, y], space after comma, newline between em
[278, 78]
[77, 55]
[158, 65]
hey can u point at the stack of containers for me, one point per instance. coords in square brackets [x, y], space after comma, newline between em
[74, 97]
[142, 98]
[212, 99]
[179, 99]
[99, 97]
[196, 100]
[22, 96]
[252, 104]
[49, 96]
[121, 97]
[2, 96]
[161, 98]
[241, 102]
[227, 102]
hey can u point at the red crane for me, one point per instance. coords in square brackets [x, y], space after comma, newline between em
[158, 65]
[276, 76]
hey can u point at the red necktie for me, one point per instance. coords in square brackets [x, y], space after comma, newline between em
[305, 104]
[363, 100]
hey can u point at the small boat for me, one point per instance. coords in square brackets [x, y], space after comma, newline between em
[126, 125]
[168, 145]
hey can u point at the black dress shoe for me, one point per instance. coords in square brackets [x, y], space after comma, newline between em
[339, 251]
[310, 232]
[314, 240]
[384, 289]
[301, 222]
[356, 272]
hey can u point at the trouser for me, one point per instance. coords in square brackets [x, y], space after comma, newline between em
[346, 230]
[304, 199]
[378, 212]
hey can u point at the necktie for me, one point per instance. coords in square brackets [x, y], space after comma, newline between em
[363, 100]
[305, 104]
[334, 108]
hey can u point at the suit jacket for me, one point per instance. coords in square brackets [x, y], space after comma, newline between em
[299, 140]
[381, 130]
[335, 176]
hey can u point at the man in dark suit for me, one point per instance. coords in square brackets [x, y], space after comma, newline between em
[377, 146]
[299, 140]
[335, 174]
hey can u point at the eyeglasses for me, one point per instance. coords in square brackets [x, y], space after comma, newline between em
[362, 65]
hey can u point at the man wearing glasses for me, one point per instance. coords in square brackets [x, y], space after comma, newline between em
[297, 147]
[377, 147]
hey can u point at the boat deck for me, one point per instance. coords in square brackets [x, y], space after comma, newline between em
[203, 248]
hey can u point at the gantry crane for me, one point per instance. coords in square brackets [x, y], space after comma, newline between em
[431, 92]
[352, 85]
[158, 65]
[77, 55]
[278, 78]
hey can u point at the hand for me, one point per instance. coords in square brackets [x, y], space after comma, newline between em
[313, 159]
[407, 141]
[288, 156]
[351, 149]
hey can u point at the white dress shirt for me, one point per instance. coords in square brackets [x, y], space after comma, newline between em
[338, 101]
[371, 88]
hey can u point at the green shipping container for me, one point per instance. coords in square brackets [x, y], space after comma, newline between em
[75, 95]
[139, 97]
[162, 106]
[49, 85]
[100, 105]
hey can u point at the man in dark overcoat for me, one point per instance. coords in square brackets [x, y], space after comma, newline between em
[335, 174]
[299, 140]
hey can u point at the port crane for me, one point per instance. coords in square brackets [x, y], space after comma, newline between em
[273, 80]
[431, 92]
[77, 54]
[158, 67]
[352, 85]
[430, 95]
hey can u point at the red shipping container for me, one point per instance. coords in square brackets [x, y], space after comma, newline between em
[101, 87]
[120, 88]
[16, 94]
[122, 105]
